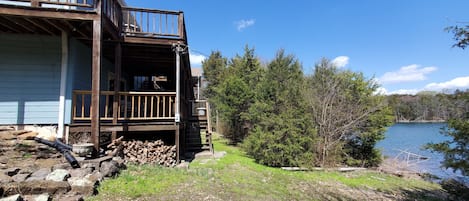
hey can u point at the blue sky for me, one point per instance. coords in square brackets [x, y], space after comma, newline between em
[402, 43]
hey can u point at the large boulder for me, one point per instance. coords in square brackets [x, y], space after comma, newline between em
[109, 168]
[16, 197]
[58, 175]
[20, 177]
[5, 178]
[36, 187]
[80, 172]
[83, 186]
[40, 174]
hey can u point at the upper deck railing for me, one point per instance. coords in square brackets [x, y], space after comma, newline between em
[136, 22]
[143, 22]
[62, 4]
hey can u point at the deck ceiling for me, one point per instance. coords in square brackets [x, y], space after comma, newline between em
[144, 59]
[45, 26]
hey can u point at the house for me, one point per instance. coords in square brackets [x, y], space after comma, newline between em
[95, 66]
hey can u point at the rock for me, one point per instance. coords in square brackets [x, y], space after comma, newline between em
[109, 168]
[69, 197]
[40, 174]
[20, 177]
[7, 136]
[16, 197]
[83, 186]
[27, 170]
[5, 179]
[4, 159]
[6, 128]
[95, 176]
[183, 165]
[62, 166]
[80, 172]
[42, 197]
[18, 132]
[58, 175]
[12, 171]
[94, 166]
[36, 187]
[27, 136]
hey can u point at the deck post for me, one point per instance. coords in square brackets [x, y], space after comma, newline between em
[96, 78]
[117, 75]
[178, 49]
[63, 85]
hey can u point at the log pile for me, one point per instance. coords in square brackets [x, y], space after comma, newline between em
[144, 152]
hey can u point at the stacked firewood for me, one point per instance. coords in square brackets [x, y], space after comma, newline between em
[144, 152]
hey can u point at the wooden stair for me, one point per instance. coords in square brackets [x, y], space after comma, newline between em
[198, 134]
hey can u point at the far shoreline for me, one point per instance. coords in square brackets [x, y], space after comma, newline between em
[420, 121]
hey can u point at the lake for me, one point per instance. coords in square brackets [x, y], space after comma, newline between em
[411, 137]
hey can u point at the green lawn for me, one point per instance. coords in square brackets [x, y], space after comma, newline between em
[237, 177]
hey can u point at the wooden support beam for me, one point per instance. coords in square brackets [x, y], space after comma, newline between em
[177, 143]
[96, 79]
[40, 26]
[74, 29]
[49, 13]
[117, 77]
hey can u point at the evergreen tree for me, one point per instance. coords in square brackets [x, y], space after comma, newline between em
[214, 68]
[456, 149]
[281, 135]
[236, 93]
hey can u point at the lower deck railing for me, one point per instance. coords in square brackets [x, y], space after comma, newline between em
[131, 105]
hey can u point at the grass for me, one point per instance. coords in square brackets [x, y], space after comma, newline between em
[238, 177]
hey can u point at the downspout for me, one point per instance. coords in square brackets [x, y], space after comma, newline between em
[198, 86]
[178, 50]
[63, 85]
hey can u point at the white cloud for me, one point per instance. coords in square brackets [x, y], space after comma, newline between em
[381, 91]
[242, 24]
[404, 91]
[196, 59]
[340, 61]
[409, 73]
[456, 83]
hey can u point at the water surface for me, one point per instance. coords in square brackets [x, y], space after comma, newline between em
[411, 137]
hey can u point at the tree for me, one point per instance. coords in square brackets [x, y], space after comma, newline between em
[235, 93]
[456, 149]
[461, 35]
[339, 101]
[360, 148]
[214, 68]
[281, 134]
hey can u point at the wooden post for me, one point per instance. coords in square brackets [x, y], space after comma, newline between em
[178, 145]
[117, 76]
[35, 3]
[96, 78]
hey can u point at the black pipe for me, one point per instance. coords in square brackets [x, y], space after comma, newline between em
[73, 162]
[61, 144]
[62, 148]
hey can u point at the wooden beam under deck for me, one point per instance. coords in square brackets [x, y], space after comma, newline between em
[125, 127]
[48, 13]
[150, 40]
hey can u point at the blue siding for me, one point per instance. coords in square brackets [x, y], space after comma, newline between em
[79, 73]
[29, 79]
